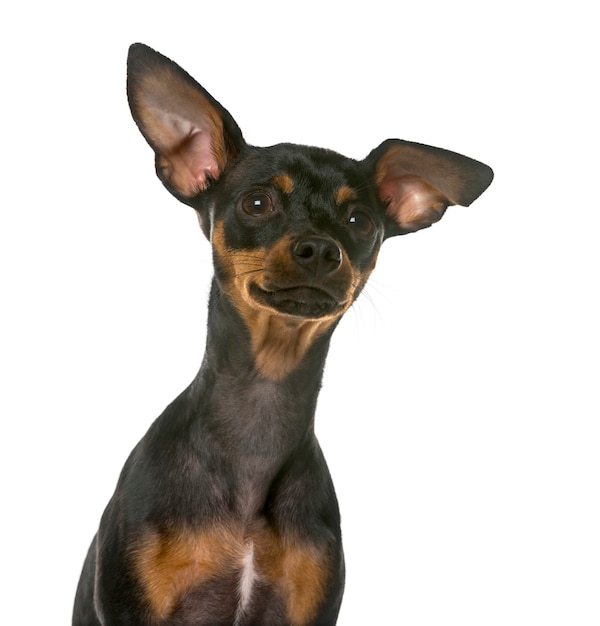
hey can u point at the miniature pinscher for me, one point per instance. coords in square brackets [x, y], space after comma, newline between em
[225, 512]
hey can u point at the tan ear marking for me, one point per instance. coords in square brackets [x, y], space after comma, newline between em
[418, 182]
[182, 123]
[412, 202]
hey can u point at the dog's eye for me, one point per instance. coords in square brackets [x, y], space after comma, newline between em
[257, 203]
[361, 223]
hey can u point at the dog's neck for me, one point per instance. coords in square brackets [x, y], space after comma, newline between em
[259, 424]
[232, 349]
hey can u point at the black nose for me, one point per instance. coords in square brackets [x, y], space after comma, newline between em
[317, 255]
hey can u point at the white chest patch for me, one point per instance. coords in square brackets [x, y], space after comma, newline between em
[248, 576]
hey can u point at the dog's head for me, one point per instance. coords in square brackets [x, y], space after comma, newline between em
[295, 230]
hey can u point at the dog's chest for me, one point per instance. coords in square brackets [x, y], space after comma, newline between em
[191, 577]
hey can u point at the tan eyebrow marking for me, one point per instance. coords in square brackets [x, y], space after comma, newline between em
[284, 183]
[344, 194]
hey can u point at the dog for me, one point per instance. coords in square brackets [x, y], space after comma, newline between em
[225, 512]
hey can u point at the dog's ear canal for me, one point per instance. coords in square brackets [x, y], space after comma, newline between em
[192, 135]
[417, 183]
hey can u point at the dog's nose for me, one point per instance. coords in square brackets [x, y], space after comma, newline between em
[317, 255]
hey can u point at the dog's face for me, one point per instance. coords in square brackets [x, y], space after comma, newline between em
[295, 230]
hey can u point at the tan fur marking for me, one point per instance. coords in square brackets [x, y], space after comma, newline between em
[183, 125]
[344, 194]
[169, 565]
[192, 105]
[279, 346]
[279, 342]
[411, 163]
[284, 183]
[299, 569]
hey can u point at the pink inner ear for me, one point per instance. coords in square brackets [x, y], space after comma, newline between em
[185, 130]
[413, 203]
[189, 166]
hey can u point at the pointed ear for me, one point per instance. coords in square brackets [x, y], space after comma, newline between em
[193, 136]
[418, 183]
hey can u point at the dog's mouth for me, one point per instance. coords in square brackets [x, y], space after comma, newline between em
[299, 301]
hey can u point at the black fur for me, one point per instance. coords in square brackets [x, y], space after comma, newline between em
[237, 448]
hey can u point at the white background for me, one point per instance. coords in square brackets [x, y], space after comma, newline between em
[460, 410]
